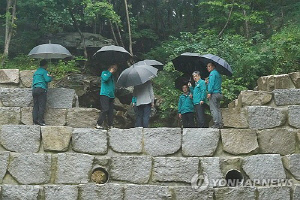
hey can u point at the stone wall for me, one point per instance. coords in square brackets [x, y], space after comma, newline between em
[60, 161]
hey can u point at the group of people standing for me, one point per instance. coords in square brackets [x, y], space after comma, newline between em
[193, 99]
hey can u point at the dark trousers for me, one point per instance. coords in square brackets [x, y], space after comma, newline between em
[188, 120]
[200, 115]
[214, 105]
[39, 104]
[107, 110]
[143, 115]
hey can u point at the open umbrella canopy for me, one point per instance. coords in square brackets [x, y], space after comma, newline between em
[136, 75]
[221, 65]
[49, 51]
[112, 54]
[190, 62]
[153, 63]
[183, 80]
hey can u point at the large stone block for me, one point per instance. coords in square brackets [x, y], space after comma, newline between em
[199, 141]
[162, 141]
[61, 192]
[87, 140]
[262, 117]
[274, 193]
[9, 76]
[287, 97]
[56, 138]
[16, 97]
[26, 77]
[126, 140]
[10, 115]
[29, 168]
[173, 169]
[82, 117]
[292, 163]
[53, 117]
[295, 76]
[61, 98]
[147, 192]
[18, 192]
[296, 193]
[239, 141]
[270, 83]
[73, 168]
[294, 116]
[240, 193]
[266, 167]
[189, 193]
[20, 138]
[134, 169]
[254, 98]
[108, 191]
[282, 141]
[235, 117]
[211, 169]
[4, 157]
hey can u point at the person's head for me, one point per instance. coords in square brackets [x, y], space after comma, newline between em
[44, 63]
[210, 67]
[185, 89]
[113, 68]
[196, 76]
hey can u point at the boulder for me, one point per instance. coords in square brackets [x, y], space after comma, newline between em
[10, 115]
[56, 138]
[285, 97]
[235, 117]
[61, 192]
[26, 77]
[294, 116]
[82, 117]
[8, 76]
[270, 83]
[100, 191]
[28, 192]
[295, 76]
[291, 163]
[254, 98]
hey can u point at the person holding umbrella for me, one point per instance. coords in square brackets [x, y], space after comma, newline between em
[215, 95]
[107, 96]
[199, 95]
[40, 81]
[186, 108]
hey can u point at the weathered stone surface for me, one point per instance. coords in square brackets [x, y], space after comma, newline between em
[270, 83]
[295, 76]
[239, 141]
[162, 141]
[211, 168]
[240, 193]
[28, 168]
[235, 117]
[254, 98]
[292, 163]
[73, 168]
[56, 138]
[9, 115]
[60, 97]
[199, 141]
[61, 192]
[53, 117]
[18, 192]
[147, 192]
[264, 167]
[20, 138]
[296, 194]
[26, 77]
[287, 97]
[104, 192]
[87, 140]
[4, 156]
[126, 140]
[174, 169]
[16, 97]
[134, 169]
[82, 117]
[262, 117]
[274, 193]
[294, 116]
[282, 141]
[189, 193]
[9, 76]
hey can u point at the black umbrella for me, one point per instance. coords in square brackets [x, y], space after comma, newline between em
[221, 65]
[182, 80]
[112, 54]
[190, 62]
[153, 63]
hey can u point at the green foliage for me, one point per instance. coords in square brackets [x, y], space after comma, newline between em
[21, 62]
[63, 68]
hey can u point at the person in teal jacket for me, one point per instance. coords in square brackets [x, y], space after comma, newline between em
[186, 108]
[199, 97]
[40, 81]
[107, 96]
[215, 95]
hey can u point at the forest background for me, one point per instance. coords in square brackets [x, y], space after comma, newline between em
[256, 37]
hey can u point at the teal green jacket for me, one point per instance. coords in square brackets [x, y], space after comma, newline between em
[107, 84]
[199, 92]
[214, 82]
[185, 104]
[41, 78]
[133, 100]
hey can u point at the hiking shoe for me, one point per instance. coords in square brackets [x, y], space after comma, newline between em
[99, 127]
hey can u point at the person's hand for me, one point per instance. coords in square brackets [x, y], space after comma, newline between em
[208, 96]
[133, 104]
[179, 115]
[201, 102]
[191, 96]
[189, 84]
[206, 80]
[152, 105]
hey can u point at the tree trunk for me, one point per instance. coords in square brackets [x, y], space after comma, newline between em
[229, 15]
[246, 24]
[120, 37]
[113, 32]
[129, 29]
